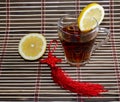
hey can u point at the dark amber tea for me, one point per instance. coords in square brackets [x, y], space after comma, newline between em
[77, 45]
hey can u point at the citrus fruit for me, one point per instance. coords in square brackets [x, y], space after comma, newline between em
[32, 46]
[91, 16]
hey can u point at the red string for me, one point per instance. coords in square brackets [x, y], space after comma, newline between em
[51, 60]
[61, 78]
[49, 46]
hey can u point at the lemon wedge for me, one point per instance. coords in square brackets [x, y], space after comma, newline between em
[90, 16]
[32, 46]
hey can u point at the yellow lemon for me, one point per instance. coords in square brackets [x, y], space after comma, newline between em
[90, 16]
[32, 46]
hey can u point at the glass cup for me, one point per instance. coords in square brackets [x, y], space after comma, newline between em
[78, 46]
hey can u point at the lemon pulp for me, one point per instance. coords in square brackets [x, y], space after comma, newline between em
[32, 46]
[90, 16]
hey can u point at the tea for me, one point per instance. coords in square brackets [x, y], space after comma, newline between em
[76, 44]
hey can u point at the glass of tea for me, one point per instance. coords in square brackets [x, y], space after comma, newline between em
[78, 46]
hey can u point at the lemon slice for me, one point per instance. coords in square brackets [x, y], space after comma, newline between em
[32, 46]
[90, 16]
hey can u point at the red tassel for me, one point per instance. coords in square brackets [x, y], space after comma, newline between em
[84, 89]
[63, 80]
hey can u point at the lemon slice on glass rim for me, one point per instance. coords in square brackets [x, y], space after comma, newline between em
[90, 16]
[32, 46]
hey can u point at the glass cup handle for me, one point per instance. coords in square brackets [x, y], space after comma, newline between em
[106, 32]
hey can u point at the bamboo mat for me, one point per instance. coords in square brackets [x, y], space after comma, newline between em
[25, 81]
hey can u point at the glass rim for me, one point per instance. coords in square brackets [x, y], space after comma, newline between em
[60, 25]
